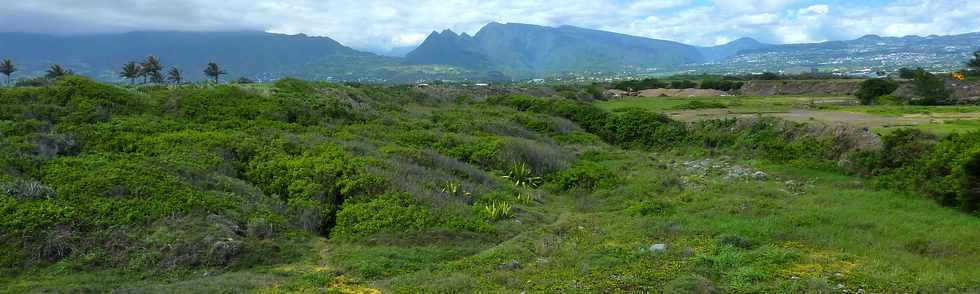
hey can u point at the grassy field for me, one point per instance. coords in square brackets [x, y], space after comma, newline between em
[833, 110]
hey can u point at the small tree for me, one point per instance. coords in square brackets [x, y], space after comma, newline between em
[57, 71]
[151, 68]
[214, 71]
[131, 71]
[929, 87]
[871, 89]
[175, 76]
[7, 68]
[973, 66]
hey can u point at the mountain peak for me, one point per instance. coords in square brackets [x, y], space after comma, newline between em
[870, 37]
[745, 40]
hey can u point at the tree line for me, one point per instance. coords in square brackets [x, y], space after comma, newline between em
[150, 70]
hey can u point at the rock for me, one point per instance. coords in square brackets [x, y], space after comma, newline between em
[512, 265]
[759, 175]
[659, 247]
[860, 291]
[222, 252]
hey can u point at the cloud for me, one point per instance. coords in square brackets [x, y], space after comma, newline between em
[815, 9]
[384, 24]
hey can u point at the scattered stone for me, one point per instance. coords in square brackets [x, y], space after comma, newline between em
[860, 291]
[759, 175]
[659, 247]
[794, 278]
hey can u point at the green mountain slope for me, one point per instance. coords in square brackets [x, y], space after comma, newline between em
[521, 48]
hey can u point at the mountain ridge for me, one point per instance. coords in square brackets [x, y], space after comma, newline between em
[496, 50]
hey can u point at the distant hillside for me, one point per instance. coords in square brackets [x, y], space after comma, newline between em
[720, 52]
[253, 54]
[539, 49]
[498, 52]
[939, 53]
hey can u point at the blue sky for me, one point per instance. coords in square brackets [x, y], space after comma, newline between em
[379, 25]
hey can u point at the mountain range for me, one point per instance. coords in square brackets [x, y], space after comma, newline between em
[535, 50]
[497, 52]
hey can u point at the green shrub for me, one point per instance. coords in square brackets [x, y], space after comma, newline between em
[385, 214]
[651, 206]
[637, 127]
[948, 173]
[701, 105]
[930, 89]
[721, 85]
[683, 84]
[585, 175]
[871, 89]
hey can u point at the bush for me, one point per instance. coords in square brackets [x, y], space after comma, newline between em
[871, 89]
[638, 85]
[930, 89]
[386, 214]
[721, 85]
[701, 105]
[585, 175]
[638, 127]
[949, 173]
[683, 84]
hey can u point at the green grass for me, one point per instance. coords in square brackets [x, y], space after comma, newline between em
[832, 232]
[778, 104]
[733, 103]
[900, 110]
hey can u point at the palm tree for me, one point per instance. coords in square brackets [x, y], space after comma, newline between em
[150, 68]
[214, 71]
[175, 76]
[131, 71]
[56, 71]
[7, 68]
[157, 78]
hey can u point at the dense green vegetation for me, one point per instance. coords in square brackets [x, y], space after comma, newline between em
[873, 88]
[300, 186]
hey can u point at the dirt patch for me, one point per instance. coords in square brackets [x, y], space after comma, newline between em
[682, 93]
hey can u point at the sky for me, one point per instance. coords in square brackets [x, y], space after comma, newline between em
[380, 25]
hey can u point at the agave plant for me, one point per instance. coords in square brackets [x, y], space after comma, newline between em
[523, 176]
[454, 189]
[497, 210]
[524, 198]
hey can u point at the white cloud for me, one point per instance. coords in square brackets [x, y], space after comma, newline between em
[383, 24]
[815, 9]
